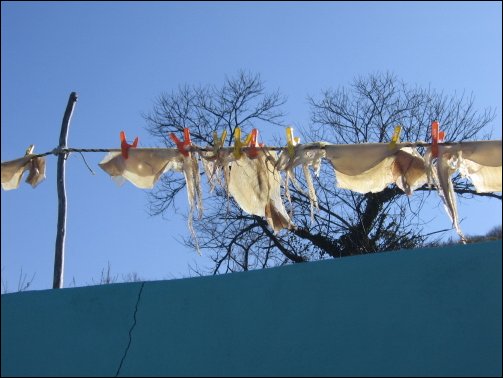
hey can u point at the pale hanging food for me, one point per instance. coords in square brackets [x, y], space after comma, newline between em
[216, 162]
[371, 167]
[143, 167]
[439, 174]
[256, 186]
[478, 161]
[12, 171]
[194, 195]
[481, 163]
[216, 166]
[307, 155]
[409, 170]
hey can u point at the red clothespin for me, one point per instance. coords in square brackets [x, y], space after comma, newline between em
[125, 146]
[251, 142]
[184, 146]
[437, 137]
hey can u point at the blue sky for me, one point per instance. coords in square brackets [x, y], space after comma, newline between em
[119, 57]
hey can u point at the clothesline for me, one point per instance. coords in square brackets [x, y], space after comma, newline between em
[194, 148]
[250, 144]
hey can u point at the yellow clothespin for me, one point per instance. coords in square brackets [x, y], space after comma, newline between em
[291, 142]
[29, 150]
[219, 142]
[250, 141]
[396, 137]
[238, 143]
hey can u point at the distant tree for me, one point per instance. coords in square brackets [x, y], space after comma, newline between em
[347, 223]
[493, 234]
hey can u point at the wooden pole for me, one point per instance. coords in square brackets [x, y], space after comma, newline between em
[59, 257]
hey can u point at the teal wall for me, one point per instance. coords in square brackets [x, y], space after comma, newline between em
[422, 312]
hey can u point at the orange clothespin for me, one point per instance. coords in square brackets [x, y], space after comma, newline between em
[125, 146]
[251, 141]
[437, 137]
[396, 137]
[291, 141]
[183, 146]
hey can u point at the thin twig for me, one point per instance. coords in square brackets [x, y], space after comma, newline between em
[85, 162]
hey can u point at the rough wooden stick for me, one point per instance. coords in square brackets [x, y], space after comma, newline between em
[59, 257]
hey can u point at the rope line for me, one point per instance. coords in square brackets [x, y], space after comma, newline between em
[194, 148]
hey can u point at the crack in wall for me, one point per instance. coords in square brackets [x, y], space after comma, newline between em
[131, 330]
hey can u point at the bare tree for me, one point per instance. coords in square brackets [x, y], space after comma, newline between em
[347, 223]
[241, 102]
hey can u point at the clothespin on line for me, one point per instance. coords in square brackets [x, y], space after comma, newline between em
[291, 141]
[183, 146]
[250, 141]
[237, 143]
[396, 137]
[219, 142]
[437, 137]
[29, 150]
[125, 146]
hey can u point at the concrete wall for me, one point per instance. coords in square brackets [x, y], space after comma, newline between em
[422, 312]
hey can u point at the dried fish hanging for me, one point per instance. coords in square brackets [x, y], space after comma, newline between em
[439, 174]
[307, 155]
[192, 179]
[409, 170]
[249, 177]
[194, 195]
[439, 168]
[143, 166]
[216, 163]
[12, 171]
[371, 167]
[481, 163]
[478, 161]
[256, 187]
[253, 182]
